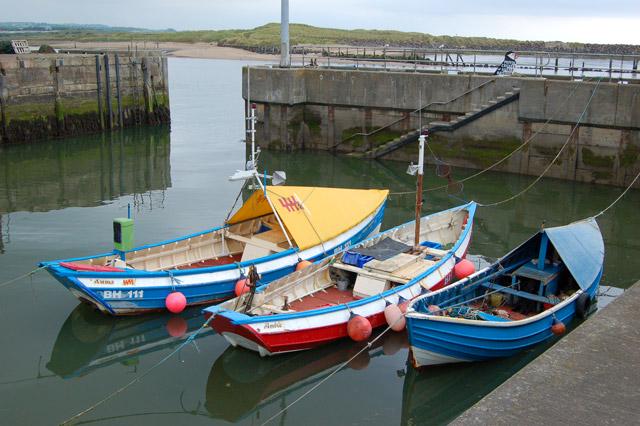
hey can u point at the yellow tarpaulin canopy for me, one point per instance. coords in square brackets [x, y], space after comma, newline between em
[313, 215]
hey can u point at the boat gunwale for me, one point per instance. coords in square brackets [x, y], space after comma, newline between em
[416, 315]
[139, 273]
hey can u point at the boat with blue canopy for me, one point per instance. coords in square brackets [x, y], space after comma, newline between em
[522, 299]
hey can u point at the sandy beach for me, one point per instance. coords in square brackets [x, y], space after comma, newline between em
[180, 50]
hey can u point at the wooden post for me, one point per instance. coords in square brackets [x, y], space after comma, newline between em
[555, 68]
[3, 105]
[107, 88]
[146, 89]
[118, 93]
[99, 90]
[57, 102]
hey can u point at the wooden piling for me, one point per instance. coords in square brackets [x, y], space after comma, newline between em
[108, 91]
[57, 88]
[146, 90]
[99, 90]
[3, 100]
[119, 93]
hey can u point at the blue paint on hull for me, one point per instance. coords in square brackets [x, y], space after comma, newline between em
[153, 297]
[447, 339]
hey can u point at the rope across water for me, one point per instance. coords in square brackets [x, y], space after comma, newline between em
[502, 160]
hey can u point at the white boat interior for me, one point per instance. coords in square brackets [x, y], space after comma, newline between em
[240, 242]
[340, 280]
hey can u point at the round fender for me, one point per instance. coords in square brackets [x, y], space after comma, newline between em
[583, 304]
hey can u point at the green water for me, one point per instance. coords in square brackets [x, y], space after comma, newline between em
[57, 200]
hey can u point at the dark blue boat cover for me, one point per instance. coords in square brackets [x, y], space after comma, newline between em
[581, 248]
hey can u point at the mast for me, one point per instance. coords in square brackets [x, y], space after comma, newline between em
[423, 136]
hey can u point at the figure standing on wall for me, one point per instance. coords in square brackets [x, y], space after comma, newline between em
[508, 64]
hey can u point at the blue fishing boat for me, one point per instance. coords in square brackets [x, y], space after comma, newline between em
[276, 229]
[519, 301]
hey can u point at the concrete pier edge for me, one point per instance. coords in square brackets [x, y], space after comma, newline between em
[591, 376]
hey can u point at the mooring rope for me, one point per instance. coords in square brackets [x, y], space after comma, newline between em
[619, 197]
[552, 162]
[334, 372]
[6, 283]
[502, 160]
[141, 376]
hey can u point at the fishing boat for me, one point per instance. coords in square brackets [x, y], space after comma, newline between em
[315, 306]
[275, 229]
[523, 299]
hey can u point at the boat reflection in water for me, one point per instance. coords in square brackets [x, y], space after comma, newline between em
[241, 383]
[89, 341]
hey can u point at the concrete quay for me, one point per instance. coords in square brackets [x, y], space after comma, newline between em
[361, 112]
[592, 376]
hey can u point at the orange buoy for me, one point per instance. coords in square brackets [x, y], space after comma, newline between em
[359, 328]
[403, 306]
[395, 318]
[558, 328]
[175, 302]
[463, 269]
[242, 287]
[303, 264]
[177, 326]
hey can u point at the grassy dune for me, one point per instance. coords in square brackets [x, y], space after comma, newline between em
[269, 35]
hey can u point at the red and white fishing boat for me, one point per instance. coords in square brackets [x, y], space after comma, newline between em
[347, 294]
[313, 306]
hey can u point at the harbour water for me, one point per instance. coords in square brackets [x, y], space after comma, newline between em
[57, 200]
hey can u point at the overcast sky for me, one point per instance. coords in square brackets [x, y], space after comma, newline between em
[583, 21]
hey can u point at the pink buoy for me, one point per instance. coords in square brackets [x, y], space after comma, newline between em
[177, 326]
[395, 318]
[463, 269]
[403, 306]
[242, 287]
[175, 302]
[303, 264]
[434, 309]
[359, 328]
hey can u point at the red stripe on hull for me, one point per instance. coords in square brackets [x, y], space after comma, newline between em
[297, 340]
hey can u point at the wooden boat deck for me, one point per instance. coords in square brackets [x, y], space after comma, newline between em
[223, 260]
[328, 297]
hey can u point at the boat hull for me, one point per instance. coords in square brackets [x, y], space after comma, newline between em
[277, 334]
[303, 338]
[134, 292]
[444, 340]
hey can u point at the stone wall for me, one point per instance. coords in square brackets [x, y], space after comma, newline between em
[321, 108]
[47, 96]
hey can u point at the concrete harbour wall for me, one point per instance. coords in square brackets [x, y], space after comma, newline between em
[316, 108]
[48, 96]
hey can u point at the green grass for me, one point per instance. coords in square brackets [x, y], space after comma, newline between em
[269, 35]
